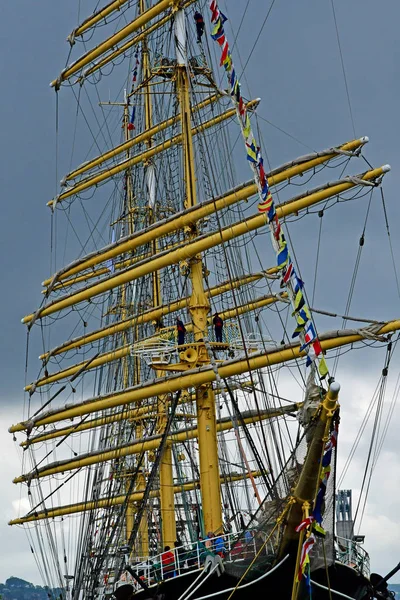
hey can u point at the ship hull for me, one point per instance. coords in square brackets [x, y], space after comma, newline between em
[276, 584]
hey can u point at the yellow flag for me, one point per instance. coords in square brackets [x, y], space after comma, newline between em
[299, 300]
[323, 367]
[247, 127]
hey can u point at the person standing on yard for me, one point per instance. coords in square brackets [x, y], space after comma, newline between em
[181, 329]
[218, 325]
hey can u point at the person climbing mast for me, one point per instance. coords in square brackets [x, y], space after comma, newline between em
[218, 325]
[199, 25]
[181, 331]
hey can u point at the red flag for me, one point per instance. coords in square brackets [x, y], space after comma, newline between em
[308, 544]
[317, 347]
[277, 232]
[214, 10]
[305, 523]
[288, 273]
[224, 55]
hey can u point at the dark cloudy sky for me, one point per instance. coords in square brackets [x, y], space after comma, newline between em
[296, 70]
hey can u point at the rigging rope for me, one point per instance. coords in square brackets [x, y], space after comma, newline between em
[153, 473]
[390, 242]
[320, 214]
[373, 446]
[354, 276]
[343, 69]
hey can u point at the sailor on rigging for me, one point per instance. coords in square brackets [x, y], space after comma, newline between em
[218, 325]
[181, 329]
[199, 25]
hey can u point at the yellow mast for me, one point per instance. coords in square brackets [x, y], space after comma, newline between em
[199, 304]
[142, 543]
[129, 516]
[201, 379]
[123, 309]
[167, 502]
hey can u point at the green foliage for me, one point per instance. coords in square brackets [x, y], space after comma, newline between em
[19, 589]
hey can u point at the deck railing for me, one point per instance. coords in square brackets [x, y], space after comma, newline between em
[232, 547]
[351, 553]
[237, 547]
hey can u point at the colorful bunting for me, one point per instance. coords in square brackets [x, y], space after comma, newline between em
[131, 124]
[304, 558]
[302, 317]
[299, 301]
[314, 350]
[305, 328]
[314, 521]
[297, 283]
[288, 273]
[324, 474]
[305, 523]
[309, 335]
[283, 256]
[318, 530]
[135, 69]
[307, 577]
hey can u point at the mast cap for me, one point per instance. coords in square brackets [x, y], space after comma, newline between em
[334, 387]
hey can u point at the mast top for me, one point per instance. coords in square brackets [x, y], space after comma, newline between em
[335, 387]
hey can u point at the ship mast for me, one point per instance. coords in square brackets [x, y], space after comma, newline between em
[123, 309]
[199, 305]
[167, 506]
[136, 414]
[142, 544]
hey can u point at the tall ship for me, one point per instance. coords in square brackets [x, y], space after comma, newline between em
[181, 427]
